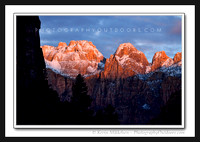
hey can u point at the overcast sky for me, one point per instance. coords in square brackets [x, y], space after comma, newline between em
[148, 34]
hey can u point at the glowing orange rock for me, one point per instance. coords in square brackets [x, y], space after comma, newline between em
[160, 59]
[127, 61]
[177, 57]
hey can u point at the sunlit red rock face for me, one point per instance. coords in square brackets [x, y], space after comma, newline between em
[78, 57]
[84, 58]
[177, 57]
[127, 61]
[160, 59]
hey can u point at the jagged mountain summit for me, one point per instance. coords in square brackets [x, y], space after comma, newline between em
[79, 57]
[127, 61]
[161, 60]
[178, 57]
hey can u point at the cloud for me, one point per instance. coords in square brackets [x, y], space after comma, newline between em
[101, 22]
[49, 42]
[176, 28]
[58, 28]
[97, 33]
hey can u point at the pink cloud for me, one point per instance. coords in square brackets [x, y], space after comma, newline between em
[176, 29]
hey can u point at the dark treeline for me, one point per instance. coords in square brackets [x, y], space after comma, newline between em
[39, 105]
[171, 112]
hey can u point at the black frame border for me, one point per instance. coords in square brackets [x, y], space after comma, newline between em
[62, 139]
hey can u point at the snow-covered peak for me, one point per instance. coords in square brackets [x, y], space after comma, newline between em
[84, 47]
[128, 55]
[62, 44]
[125, 48]
[79, 57]
[159, 54]
[177, 57]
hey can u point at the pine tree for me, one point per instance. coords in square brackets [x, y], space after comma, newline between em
[107, 116]
[80, 99]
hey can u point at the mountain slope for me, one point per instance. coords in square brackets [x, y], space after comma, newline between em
[79, 57]
[160, 59]
[127, 61]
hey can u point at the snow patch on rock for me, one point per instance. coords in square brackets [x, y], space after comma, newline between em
[168, 62]
[146, 107]
[148, 69]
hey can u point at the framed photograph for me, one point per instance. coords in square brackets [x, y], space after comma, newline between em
[131, 83]
[83, 71]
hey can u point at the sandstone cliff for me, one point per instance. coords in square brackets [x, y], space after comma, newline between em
[127, 61]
